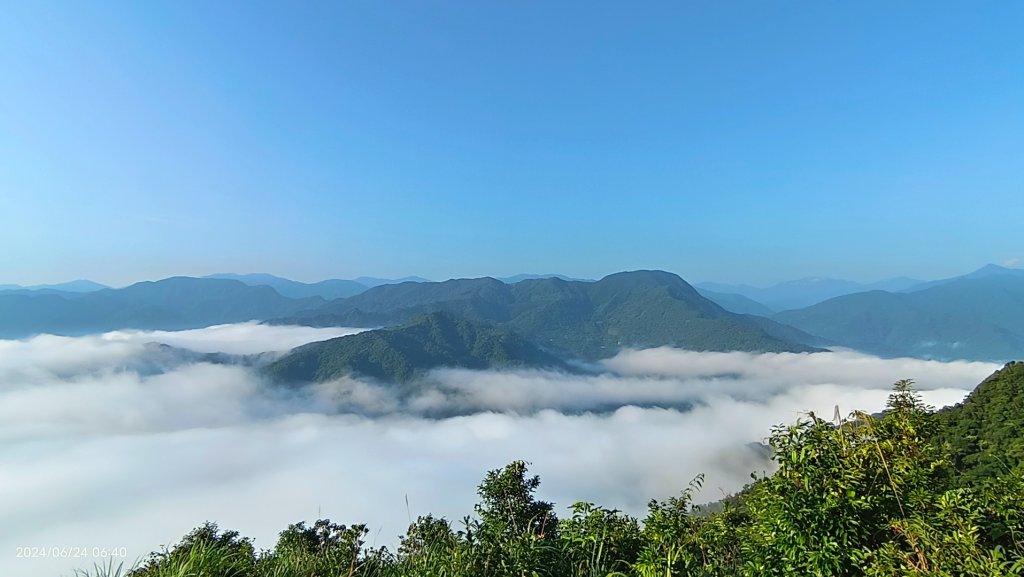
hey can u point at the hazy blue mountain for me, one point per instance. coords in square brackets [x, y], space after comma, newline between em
[586, 319]
[41, 291]
[736, 303]
[438, 339]
[787, 333]
[995, 270]
[986, 271]
[806, 291]
[971, 318]
[521, 277]
[174, 303]
[896, 284]
[373, 281]
[327, 289]
[75, 286]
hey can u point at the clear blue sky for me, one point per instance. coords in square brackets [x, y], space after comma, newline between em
[732, 141]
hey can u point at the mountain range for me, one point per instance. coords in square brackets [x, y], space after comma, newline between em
[75, 286]
[978, 316]
[588, 320]
[170, 304]
[804, 292]
[327, 289]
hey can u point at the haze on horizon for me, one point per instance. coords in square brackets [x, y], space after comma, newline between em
[738, 142]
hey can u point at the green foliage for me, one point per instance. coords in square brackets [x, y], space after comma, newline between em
[205, 552]
[430, 548]
[983, 434]
[323, 550]
[872, 496]
[108, 569]
[514, 534]
[597, 541]
[678, 540]
[839, 489]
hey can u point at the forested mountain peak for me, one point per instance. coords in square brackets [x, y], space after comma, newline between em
[584, 319]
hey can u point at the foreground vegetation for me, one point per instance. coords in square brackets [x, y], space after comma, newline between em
[897, 494]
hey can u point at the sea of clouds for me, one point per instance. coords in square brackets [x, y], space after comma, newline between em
[110, 441]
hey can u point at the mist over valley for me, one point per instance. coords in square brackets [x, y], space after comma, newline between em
[101, 434]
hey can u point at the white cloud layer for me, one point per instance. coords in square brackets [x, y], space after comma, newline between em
[104, 444]
[237, 339]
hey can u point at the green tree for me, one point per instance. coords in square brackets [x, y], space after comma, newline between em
[515, 535]
[431, 548]
[324, 549]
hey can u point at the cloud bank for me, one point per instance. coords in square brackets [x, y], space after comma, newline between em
[107, 441]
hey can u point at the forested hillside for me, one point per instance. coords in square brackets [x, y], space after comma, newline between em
[591, 320]
[985, 433]
[435, 340]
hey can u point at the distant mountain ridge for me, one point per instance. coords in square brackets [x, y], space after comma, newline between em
[979, 318]
[986, 271]
[736, 303]
[805, 292]
[800, 293]
[521, 277]
[398, 355]
[170, 304]
[374, 281]
[75, 286]
[975, 316]
[326, 289]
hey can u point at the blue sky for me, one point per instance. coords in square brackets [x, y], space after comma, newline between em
[731, 141]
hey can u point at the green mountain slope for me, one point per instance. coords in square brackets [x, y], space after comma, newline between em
[986, 431]
[586, 319]
[174, 303]
[398, 355]
[975, 318]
